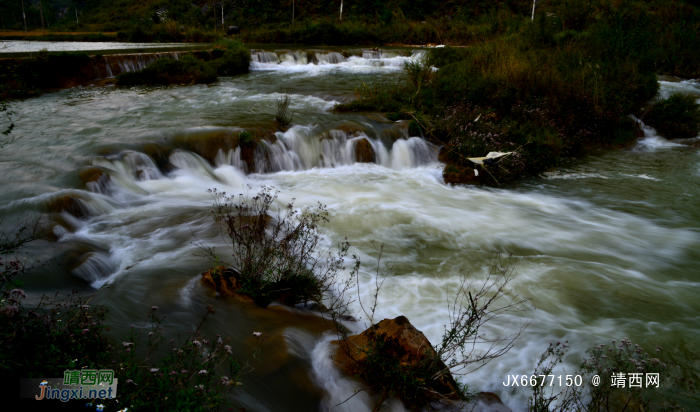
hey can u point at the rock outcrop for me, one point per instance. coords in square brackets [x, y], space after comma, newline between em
[403, 342]
[364, 153]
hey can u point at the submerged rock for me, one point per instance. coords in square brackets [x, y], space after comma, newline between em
[70, 204]
[94, 179]
[364, 153]
[403, 342]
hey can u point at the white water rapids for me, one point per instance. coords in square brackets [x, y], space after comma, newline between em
[608, 247]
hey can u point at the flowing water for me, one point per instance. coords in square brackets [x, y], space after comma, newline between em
[608, 247]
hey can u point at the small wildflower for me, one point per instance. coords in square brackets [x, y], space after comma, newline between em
[154, 308]
[257, 334]
[154, 370]
[203, 372]
[127, 344]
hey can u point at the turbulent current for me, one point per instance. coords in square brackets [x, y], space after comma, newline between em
[607, 247]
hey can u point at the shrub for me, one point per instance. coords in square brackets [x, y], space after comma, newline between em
[677, 116]
[234, 60]
[283, 116]
[276, 258]
[187, 70]
[246, 139]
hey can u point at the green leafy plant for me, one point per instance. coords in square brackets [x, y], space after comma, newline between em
[677, 116]
[283, 116]
[246, 139]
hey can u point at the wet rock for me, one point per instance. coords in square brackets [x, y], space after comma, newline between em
[364, 153]
[94, 179]
[233, 30]
[222, 279]
[70, 204]
[404, 343]
[462, 175]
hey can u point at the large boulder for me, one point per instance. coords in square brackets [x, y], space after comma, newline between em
[364, 153]
[233, 30]
[403, 342]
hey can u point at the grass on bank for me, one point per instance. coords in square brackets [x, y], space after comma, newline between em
[545, 89]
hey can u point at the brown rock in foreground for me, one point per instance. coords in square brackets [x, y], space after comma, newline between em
[405, 343]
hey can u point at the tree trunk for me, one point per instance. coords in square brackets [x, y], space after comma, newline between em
[292, 12]
[341, 9]
[25, 17]
[41, 11]
[77, 23]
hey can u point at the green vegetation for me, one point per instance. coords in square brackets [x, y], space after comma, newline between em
[246, 139]
[235, 59]
[283, 116]
[677, 116]
[543, 89]
[187, 70]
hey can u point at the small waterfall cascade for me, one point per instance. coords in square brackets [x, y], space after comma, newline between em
[109, 69]
[124, 63]
[260, 56]
[371, 54]
[329, 58]
[301, 149]
[262, 59]
[135, 164]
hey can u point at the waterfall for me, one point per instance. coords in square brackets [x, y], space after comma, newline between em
[300, 149]
[260, 56]
[371, 54]
[109, 69]
[135, 164]
[330, 58]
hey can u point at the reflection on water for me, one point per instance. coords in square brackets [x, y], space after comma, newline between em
[608, 246]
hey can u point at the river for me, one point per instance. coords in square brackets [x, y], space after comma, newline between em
[608, 247]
